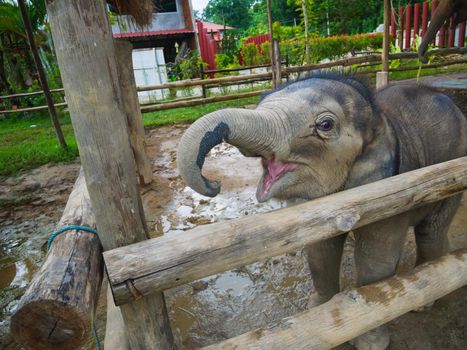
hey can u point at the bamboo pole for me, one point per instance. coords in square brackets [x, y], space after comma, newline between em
[166, 262]
[41, 73]
[86, 57]
[57, 310]
[354, 312]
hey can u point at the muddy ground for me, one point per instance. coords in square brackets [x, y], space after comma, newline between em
[216, 307]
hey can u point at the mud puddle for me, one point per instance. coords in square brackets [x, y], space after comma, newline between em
[231, 303]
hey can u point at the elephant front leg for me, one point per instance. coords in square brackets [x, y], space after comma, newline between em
[378, 248]
[324, 260]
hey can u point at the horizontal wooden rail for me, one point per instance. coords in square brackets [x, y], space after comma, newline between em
[371, 58]
[31, 109]
[354, 312]
[26, 94]
[200, 82]
[161, 263]
[57, 310]
[201, 101]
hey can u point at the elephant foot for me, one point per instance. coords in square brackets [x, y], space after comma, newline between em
[376, 339]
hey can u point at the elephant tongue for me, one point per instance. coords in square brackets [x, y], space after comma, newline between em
[274, 171]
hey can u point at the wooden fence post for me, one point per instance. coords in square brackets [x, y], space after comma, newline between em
[201, 72]
[276, 67]
[382, 77]
[130, 105]
[86, 57]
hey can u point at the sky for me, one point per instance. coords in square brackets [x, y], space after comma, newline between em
[199, 4]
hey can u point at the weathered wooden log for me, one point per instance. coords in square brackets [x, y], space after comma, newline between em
[86, 56]
[130, 105]
[202, 101]
[371, 58]
[354, 312]
[57, 310]
[165, 262]
[31, 109]
[199, 82]
[115, 331]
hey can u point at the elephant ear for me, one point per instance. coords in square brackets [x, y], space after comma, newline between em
[378, 160]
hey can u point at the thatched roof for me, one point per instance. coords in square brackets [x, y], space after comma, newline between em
[140, 10]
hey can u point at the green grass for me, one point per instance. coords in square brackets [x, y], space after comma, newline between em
[29, 142]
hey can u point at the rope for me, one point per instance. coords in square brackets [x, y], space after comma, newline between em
[49, 244]
[68, 228]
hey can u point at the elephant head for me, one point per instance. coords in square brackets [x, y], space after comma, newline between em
[315, 137]
[445, 9]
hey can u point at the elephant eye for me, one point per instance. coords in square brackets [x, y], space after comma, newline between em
[325, 125]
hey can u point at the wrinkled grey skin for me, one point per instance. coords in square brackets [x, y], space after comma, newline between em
[445, 9]
[404, 127]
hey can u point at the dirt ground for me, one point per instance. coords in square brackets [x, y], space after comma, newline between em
[217, 307]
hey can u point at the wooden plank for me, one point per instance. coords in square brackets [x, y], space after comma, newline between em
[31, 109]
[202, 101]
[354, 312]
[199, 82]
[25, 94]
[115, 331]
[130, 105]
[165, 262]
[86, 56]
[58, 308]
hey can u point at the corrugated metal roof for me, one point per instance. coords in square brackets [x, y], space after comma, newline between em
[152, 33]
[214, 26]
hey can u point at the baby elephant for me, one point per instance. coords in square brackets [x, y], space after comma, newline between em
[328, 133]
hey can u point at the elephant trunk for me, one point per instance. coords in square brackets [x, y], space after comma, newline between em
[251, 131]
[442, 13]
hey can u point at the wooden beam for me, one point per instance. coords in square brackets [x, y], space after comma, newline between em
[354, 312]
[130, 104]
[382, 77]
[58, 308]
[115, 331]
[199, 82]
[41, 74]
[166, 262]
[201, 101]
[86, 57]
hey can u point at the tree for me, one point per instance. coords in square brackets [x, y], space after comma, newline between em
[234, 13]
[16, 64]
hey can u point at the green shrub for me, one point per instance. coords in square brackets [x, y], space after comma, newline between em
[265, 52]
[250, 54]
[331, 48]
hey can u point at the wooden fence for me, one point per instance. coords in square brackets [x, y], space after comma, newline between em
[410, 21]
[205, 84]
[139, 270]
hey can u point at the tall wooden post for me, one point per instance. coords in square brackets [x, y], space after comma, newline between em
[86, 57]
[307, 35]
[382, 77]
[130, 104]
[276, 69]
[271, 51]
[41, 73]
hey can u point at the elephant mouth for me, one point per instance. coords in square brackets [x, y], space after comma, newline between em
[273, 171]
